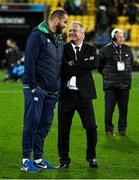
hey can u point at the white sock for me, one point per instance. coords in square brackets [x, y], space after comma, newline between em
[38, 160]
[24, 159]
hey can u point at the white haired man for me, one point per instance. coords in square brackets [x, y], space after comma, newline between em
[115, 64]
[77, 92]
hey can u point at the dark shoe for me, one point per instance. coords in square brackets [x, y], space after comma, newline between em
[63, 166]
[110, 133]
[93, 163]
[122, 133]
[64, 163]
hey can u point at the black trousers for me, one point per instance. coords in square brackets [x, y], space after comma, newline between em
[66, 109]
[113, 97]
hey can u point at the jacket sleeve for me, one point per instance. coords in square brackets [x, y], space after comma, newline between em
[102, 59]
[31, 56]
[84, 65]
[132, 58]
[68, 71]
[89, 63]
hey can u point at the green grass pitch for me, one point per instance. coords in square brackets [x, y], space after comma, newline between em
[118, 157]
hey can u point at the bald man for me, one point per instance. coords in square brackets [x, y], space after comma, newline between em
[41, 85]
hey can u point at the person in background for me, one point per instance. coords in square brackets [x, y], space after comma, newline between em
[115, 62]
[12, 58]
[132, 12]
[41, 84]
[121, 7]
[77, 92]
[75, 7]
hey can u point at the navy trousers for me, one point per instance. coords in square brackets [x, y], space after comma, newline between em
[38, 117]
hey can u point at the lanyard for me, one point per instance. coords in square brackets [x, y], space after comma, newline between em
[119, 54]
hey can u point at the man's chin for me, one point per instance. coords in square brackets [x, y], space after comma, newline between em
[72, 40]
[59, 32]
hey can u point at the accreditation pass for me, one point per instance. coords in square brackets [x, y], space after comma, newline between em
[120, 66]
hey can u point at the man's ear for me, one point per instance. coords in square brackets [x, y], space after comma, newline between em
[56, 20]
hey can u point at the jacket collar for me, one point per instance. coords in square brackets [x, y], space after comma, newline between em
[81, 51]
[43, 27]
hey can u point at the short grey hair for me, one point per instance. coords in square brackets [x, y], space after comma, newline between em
[78, 23]
[114, 31]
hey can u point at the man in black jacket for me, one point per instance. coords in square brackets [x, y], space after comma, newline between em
[77, 92]
[115, 64]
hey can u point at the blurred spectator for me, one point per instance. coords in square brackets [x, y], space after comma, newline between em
[75, 7]
[84, 9]
[109, 8]
[102, 19]
[112, 13]
[107, 3]
[120, 7]
[13, 61]
[131, 12]
[77, 4]
[106, 16]
[69, 6]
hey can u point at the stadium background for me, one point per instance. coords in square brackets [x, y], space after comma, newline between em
[18, 17]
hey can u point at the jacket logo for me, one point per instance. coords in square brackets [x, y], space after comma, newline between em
[36, 98]
[86, 59]
[90, 58]
[48, 40]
